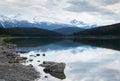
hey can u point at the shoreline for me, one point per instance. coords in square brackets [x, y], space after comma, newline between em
[71, 37]
[11, 68]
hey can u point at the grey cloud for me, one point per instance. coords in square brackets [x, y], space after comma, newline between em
[86, 6]
[52, 4]
[80, 6]
[108, 2]
[62, 9]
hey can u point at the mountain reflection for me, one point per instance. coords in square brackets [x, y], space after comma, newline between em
[60, 43]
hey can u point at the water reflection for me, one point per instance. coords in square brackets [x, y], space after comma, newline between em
[83, 62]
[105, 43]
[33, 42]
[44, 44]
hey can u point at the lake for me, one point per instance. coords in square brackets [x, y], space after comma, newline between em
[86, 60]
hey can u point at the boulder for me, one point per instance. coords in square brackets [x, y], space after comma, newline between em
[53, 66]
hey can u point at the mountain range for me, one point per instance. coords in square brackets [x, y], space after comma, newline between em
[14, 27]
[1, 25]
[8, 22]
[109, 30]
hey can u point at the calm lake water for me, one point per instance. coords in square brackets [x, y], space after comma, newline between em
[86, 60]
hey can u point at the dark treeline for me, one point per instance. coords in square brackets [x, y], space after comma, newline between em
[110, 30]
[27, 32]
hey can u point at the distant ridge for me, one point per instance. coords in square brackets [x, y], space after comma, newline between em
[68, 30]
[9, 22]
[109, 30]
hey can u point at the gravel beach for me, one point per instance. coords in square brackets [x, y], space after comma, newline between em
[11, 68]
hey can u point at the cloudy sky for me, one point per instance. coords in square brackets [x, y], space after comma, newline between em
[100, 12]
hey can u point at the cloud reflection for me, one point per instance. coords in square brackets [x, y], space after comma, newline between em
[84, 63]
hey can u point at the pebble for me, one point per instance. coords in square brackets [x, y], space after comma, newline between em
[30, 65]
[10, 62]
[37, 54]
[38, 61]
[31, 55]
[24, 58]
[43, 54]
[46, 76]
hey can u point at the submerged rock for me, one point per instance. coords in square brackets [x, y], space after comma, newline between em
[56, 74]
[32, 55]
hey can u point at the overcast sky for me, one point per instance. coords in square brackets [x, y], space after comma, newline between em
[100, 12]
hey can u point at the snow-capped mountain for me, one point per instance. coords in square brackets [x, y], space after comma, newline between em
[18, 21]
[4, 18]
[81, 24]
[1, 26]
[7, 22]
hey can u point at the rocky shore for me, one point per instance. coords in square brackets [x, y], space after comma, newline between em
[11, 68]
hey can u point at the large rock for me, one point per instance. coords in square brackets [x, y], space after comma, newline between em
[54, 66]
